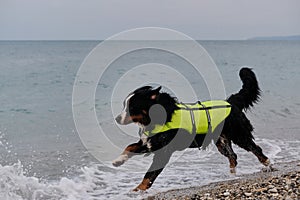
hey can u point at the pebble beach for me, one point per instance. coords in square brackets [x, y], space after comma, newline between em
[283, 182]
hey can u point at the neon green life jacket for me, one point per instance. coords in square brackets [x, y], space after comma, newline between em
[197, 118]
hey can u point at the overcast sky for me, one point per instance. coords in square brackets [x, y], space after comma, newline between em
[97, 19]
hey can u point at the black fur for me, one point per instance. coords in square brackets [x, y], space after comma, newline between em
[250, 92]
[237, 128]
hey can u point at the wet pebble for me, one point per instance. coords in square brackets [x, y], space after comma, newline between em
[273, 190]
[284, 186]
[226, 194]
[248, 194]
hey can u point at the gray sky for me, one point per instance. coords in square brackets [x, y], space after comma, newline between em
[97, 19]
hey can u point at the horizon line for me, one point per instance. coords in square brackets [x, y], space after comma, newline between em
[278, 37]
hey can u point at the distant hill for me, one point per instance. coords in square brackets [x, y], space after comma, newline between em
[292, 37]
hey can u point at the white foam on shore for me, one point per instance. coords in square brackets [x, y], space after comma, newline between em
[194, 168]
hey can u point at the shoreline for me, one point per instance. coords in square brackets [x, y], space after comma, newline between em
[281, 183]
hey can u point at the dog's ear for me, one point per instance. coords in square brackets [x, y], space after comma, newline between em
[154, 93]
[157, 89]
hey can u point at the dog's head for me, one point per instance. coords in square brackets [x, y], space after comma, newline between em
[137, 105]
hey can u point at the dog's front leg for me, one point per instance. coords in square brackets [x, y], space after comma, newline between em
[129, 151]
[160, 160]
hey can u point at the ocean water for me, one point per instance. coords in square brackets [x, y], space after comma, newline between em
[42, 156]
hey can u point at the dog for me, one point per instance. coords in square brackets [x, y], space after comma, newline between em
[167, 126]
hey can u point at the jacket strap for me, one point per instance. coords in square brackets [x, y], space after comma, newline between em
[192, 118]
[194, 129]
[207, 115]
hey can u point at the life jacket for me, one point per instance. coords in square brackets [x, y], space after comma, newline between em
[197, 118]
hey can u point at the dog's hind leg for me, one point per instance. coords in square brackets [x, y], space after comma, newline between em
[160, 160]
[257, 151]
[225, 148]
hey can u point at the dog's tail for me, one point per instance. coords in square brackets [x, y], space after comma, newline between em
[250, 92]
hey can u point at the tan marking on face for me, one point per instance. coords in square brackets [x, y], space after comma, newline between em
[137, 118]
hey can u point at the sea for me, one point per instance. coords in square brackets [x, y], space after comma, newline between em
[43, 154]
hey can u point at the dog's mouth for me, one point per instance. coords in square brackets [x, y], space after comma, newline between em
[124, 120]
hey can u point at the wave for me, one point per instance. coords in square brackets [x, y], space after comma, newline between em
[92, 183]
[16, 186]
[97, 181]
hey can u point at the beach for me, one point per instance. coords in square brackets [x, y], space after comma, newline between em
[282, 182]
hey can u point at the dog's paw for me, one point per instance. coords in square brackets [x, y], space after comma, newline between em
[233, 170]
[117, 163]
[140, 188]
[136, 189]
[120, 160]
[146, 184]
[269, 168]
[266, 163]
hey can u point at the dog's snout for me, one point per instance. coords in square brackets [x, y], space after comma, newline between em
[118, 119]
